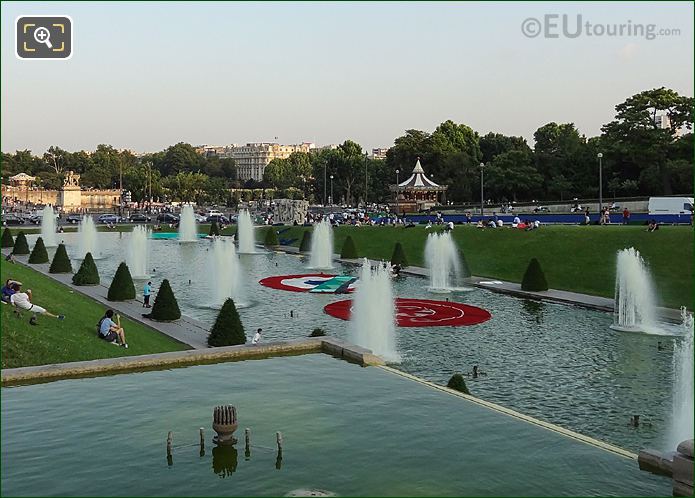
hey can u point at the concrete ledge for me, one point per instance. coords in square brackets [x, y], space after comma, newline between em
[656, 462]
[686, 448]
[90, 368]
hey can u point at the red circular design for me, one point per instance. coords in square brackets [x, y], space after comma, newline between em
[421, 313]
[297, 283]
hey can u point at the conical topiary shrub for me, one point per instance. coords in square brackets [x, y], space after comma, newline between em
[305, 245]
[38, 254]
[88, 274]
[7, 240]
[271, 237]
[122, 288]
[398, 257]
[457, 383]
[228, 329]
[165, 307]
[349, 250]
[534, 278]
[20, 244]
[214, 228]
[61, 261]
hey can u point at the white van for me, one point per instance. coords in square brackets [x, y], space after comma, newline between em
[670, 205]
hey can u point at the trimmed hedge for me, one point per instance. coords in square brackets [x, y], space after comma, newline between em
[38, 254]
[534, 278]
[457, 383]
[165, 307]
[21, 246]
[122, 287]
[7, 240]
[88, 274]
[271, 237]
[61, 261]
[398, 256]
[228, 329]
[214, 228]
[305, 245]
[349, 250]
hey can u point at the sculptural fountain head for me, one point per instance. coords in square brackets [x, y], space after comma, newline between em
[224, 423]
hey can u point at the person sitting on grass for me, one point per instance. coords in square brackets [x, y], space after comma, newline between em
[22, 301]
[112, 331]
[7, 290]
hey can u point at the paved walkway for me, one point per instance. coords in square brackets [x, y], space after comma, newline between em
[186, 330]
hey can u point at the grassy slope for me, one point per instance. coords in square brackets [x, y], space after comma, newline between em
[74, 339]
[580, 259]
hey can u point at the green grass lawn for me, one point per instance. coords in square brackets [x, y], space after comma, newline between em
[574, 258]
[73, 339]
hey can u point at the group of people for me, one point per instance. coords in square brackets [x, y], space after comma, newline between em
[13, 294]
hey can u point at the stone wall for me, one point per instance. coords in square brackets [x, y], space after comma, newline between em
[70, 199]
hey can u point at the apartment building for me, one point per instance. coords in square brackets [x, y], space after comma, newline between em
[251, 159]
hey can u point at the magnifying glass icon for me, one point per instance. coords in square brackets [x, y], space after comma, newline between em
[42, 35]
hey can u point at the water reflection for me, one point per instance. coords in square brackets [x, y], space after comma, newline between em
[224, 460]
[534, 311]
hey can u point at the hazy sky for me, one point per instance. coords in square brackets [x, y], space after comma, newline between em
[146, 75]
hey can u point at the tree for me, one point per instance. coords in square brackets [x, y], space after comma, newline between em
[181, 157]
[21, 246]
[38, 254]
[271, 237]
[534, 278]
[305, 245]
[349, 251]
[122, 287]
[494, 144]
[7, 240]
[88, 274]
[165, 307]
[56, 158]
[228, 329]
[458, 383]
[398, 256]
[61, 261]
[512, 175]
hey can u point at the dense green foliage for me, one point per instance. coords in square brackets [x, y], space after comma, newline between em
[228, 329]
[7, 240]
[21, 246]
[576, 259]
[122, 287]
[458, 383]
[61, 261]
[72, 339]
[165, 306]
[305, 245]
[349, 251]
[398, 256]
[88, 274]
[214, 229]
[271, 237]
[534, 278]
[39, 254]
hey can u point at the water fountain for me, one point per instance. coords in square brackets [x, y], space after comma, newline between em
[188, 231]
[136, 252]
[373, 322]
[443, 261]
[87, 238]
[322, 246]
[682, 422]
[225, 273]
[245, 235]
[48, 227]
[634, 294]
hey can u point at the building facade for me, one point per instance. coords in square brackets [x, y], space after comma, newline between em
[380, 153]
[251, 159]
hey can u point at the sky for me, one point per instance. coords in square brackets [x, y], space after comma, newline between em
[145, 75]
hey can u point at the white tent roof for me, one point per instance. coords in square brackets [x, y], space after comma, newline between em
[418, 178]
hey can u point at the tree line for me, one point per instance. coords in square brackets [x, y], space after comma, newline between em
[639, 157]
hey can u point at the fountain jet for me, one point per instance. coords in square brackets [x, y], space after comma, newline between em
[443, 260]
[136, 252]
[187, 228]
[634, 294]
[682, 421]
[87, 238]
[322, 246]
[48, 227]
[245, 234]
[225, 272]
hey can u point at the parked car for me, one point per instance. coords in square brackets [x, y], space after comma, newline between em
[213, 212]
[218, 218]
[167, 218]
[11, 219]
[199, 218]
[108, 218]
[35, 219]
[74, 219]
[139, 218]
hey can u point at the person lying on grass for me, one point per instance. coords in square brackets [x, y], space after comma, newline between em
[7, 290]
[22, 301]
[112, 331]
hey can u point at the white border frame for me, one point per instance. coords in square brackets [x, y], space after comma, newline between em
[72, 41]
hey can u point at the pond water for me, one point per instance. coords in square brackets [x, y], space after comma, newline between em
[347, 429]
[559, 363]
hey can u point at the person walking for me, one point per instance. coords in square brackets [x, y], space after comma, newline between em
[146, 293]
[257, 337]
[626, 216]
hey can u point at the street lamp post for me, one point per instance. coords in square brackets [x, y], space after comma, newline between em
[366, 187]
[600, 183]
[482, 192]
[324, 182]
[398, 189]
[330, 199]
